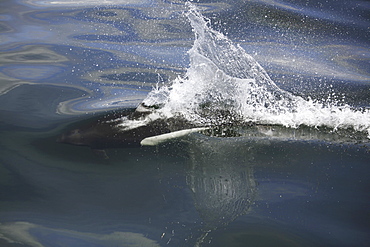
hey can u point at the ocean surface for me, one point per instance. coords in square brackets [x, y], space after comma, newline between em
[300, 66]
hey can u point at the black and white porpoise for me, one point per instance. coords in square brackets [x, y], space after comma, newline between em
[128, 128]
[144, 126]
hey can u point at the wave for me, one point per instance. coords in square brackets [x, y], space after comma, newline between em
[225, 84]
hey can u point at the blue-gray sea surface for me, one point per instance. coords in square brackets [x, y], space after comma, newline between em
[65, 62]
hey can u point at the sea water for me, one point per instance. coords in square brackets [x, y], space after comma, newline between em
[63, 61]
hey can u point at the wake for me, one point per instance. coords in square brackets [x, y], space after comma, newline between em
[224, 85]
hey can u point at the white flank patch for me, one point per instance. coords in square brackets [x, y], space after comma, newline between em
[155, 140]
[127, 124]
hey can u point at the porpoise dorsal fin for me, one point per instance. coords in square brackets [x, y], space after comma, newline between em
[155, 140]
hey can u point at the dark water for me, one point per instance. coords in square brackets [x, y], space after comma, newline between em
[63, 62]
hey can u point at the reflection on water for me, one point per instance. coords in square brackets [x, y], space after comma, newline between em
[221, 179]
[93, 49]
[28, 64]
[62, 59]
[207, 191]
[28, 234]
[92, 46]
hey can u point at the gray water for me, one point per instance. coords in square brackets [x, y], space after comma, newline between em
[63, 63]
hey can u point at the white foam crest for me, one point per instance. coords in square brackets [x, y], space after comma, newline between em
[128, 124]
[223, 77]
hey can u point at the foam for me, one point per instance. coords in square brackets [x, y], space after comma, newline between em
[223, 77]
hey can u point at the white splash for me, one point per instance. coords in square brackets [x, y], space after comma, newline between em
[223, 77]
